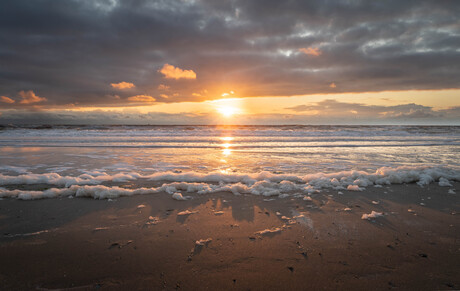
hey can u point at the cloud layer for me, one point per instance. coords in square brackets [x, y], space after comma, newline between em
[336, 109]
[69, 51]
[325, 112]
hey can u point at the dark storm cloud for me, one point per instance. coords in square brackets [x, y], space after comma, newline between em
[69, 52]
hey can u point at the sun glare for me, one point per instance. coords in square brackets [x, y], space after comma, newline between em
[227, 111]
[228, 107]
[226, 152]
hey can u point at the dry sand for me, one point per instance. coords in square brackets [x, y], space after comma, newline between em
[85, 244]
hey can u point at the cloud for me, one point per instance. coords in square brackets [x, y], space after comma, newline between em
[171, 72]
[5, 99]
[79, 47]
[123, 85]
[332, 85]
[311, 51]
[99, 117]
[141, 98]
[29, 97]
[336, 109]
[163, 87]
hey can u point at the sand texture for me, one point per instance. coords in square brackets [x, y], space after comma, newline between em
[225, 242]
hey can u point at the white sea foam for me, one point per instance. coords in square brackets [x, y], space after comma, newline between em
[354, 188]
[58, 180]
[19, 170]
[267, 231]
[153, 220]
[186, 212]
[178, 196]
[263, 183]
[443, 182]
[373, 214]
[203, 242]
[29, 233]
[97, 192]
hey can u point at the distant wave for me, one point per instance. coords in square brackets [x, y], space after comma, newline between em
[236, 137]
[240, 130]
[235, 147]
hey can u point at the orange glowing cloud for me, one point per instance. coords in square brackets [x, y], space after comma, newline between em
[29, 97]
[333, 85]
[312, 51]
[123, 85]
[141, 98]
[171, 72]
[5, 99]
[163, 87]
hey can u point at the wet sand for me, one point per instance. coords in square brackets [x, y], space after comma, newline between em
[141, 243]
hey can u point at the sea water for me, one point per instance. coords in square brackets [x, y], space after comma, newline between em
[110, 161]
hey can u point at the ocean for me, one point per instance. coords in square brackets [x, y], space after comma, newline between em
[275, 161]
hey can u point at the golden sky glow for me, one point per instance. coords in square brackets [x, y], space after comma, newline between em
[381, 107]
[438, 99]
[350, 108]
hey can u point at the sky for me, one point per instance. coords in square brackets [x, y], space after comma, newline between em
[229, 62]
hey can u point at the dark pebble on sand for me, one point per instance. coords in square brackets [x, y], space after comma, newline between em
[114, 245]
[450, 285]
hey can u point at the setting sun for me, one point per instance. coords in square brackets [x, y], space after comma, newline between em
[227, 111]
[228, 107]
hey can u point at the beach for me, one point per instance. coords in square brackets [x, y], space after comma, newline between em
[241, 242]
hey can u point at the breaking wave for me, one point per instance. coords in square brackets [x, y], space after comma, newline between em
[100, 185]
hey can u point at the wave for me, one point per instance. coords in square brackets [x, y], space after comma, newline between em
[73, 145]
[263, 183]
[245, 131]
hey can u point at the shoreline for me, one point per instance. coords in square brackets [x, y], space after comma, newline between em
[87, 244]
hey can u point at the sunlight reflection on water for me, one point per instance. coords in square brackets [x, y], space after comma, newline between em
[294, 150]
